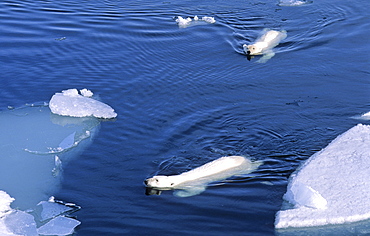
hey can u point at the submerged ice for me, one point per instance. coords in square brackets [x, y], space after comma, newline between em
[47, 218]
[333, 186]
[35, 145]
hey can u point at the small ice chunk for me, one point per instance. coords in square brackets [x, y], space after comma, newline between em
[186, 22]
[68, 142]
[86, 93]
[5, 201]
[70, 103]
[21, 223]
[303, 195]
[60, 225]
[182, 22]
[52, 209]
[58, 166]
[209, 19]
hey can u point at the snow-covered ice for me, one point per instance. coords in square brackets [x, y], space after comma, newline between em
[186, 22]
[332, 186]
[71, 103]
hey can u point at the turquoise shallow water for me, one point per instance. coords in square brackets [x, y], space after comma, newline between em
[187, 96]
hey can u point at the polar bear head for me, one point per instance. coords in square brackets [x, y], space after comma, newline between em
[160, 181]
[255, 49]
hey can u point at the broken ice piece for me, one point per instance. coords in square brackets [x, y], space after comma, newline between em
[303, 195]
[208, 19]
[182, 22]
[86, 93]
[5, 201]
[186, 22]
[70, 103]
[21, 223]
[50, 209]
[60, 225]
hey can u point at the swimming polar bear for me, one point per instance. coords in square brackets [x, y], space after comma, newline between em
[264, 44]
[195, 181]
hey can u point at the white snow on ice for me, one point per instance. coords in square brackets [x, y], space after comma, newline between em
[332, 186]
[71, 103]
[186, 22]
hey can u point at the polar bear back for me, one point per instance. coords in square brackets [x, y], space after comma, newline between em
[212, 168]
[269, 36]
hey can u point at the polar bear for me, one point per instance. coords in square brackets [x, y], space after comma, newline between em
[195, 181]
[264, 44]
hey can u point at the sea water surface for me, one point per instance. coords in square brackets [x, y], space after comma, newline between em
[186, 96]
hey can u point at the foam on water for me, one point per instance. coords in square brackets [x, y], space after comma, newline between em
[333, 186]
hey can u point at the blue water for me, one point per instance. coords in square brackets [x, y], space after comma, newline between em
[187, 96]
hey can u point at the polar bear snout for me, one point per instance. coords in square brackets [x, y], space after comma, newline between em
[160, 181]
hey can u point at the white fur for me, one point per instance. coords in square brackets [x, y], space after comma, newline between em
[264, 44]
[196, 180]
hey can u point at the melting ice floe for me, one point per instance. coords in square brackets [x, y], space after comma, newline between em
[333, 186]
[47, 218]
[35, 144]
[186, 22]
[71, 103]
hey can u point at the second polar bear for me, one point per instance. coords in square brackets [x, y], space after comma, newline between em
[264, 44]
[195, 181]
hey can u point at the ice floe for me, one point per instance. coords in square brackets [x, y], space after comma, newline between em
[187, 22]
[35, 144]
[71, 103]
[332, 186]
[46, 218]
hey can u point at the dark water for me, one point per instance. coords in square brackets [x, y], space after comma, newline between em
[188, 96]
